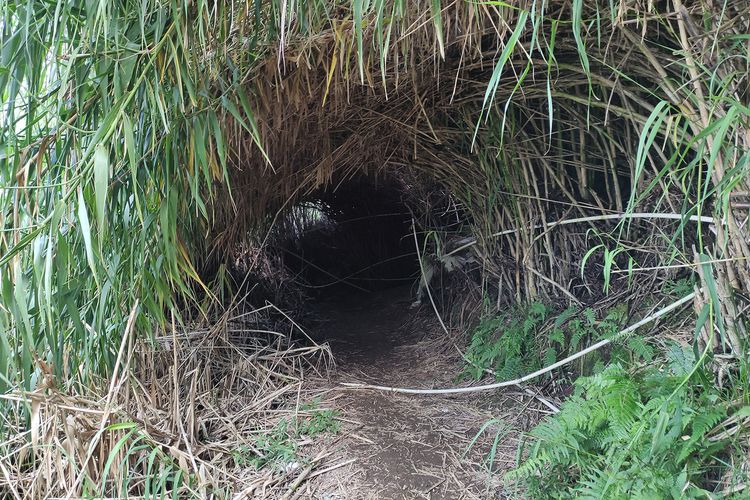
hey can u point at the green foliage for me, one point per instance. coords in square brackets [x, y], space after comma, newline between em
[525, 339]
[627, 434]
[162, 475]
[499, 430]
[506, 343]
[276, 447]
[321, 421]
[678, 288]
[111, 145]
[279, 446]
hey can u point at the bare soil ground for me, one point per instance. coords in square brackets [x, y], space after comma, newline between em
[396, 446]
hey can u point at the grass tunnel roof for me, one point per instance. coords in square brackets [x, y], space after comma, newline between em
[198, 123]
[535, 102]
[518, 114]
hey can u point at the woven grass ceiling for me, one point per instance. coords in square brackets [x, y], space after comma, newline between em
[534, 102]
[519, 114]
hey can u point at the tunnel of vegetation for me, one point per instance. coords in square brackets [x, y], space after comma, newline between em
[306, 146]
[508, 129]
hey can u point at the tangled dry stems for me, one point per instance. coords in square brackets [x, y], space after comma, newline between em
[193, 399]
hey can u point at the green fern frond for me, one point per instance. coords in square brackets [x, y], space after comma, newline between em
[618, 437]
[701, 425]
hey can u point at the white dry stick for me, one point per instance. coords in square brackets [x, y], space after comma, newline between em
[497, 385]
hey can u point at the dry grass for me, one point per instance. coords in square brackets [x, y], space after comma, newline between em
[200, 400]
[191, 402]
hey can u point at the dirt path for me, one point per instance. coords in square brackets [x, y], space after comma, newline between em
[404, 446]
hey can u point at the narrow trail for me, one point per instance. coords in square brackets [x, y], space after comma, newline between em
[402, 446]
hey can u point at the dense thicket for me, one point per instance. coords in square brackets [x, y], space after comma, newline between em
[144, 143]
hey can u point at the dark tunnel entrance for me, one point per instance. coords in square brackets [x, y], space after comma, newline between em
[355, 236]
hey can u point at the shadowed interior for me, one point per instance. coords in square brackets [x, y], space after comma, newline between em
[354, 236]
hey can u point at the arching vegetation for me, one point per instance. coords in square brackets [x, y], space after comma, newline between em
[149, 148]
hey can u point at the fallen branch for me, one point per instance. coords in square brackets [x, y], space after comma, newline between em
[497, 385]
[296, 484]
[305, 475]
[536, 396]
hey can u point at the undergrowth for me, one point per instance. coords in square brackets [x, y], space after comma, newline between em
[525, 338]
[638, 424]
[633, 434]
[279, 447]
[137, 142]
